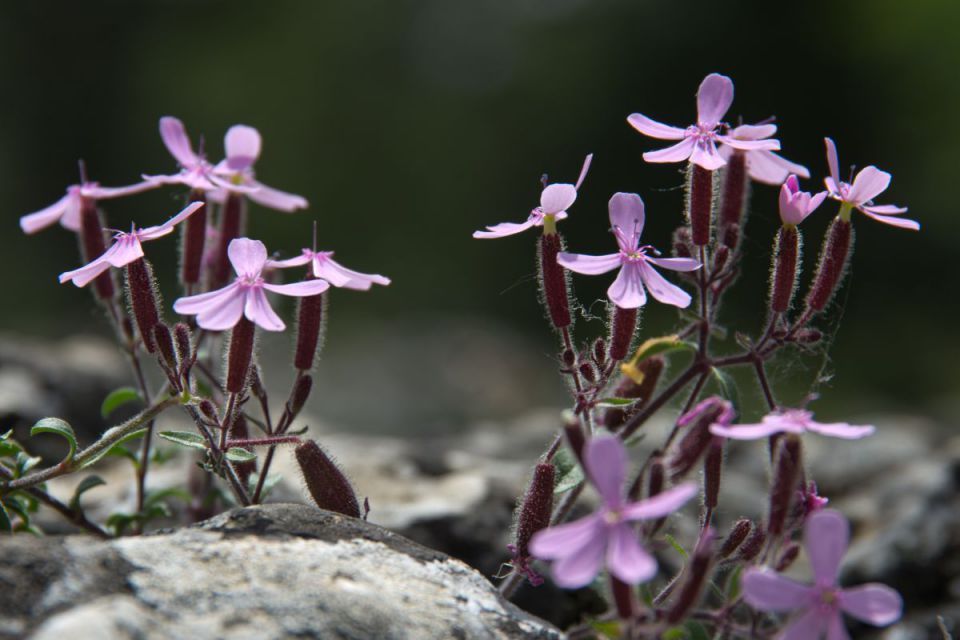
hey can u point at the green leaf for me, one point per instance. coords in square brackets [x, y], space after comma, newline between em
[9, 448]
[569, 473]
[6, 523]
[607, 628]
[616, 402]
[25, 463]
[728, 387]
[60, 428]
[157, 496]
[674, 633]
[677, 546]
[117, 398]
[119, 522]
[696, 631]
[268, 484]
[733, 583]
[185, 439]
[239, 454]
[85, 485]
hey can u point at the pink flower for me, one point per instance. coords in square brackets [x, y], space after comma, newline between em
[636, 267]
[698, 141]
[579, 548]
[325, 267]
[67, 208]
[763, 165]
[820, 606]
[791, 421]
[796, 205]
[554, 201]
[195, 172]
[867, 185]
[242, 144]
[126, 248]
[221, 309]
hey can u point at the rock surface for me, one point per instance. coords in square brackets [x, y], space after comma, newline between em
[276, 571]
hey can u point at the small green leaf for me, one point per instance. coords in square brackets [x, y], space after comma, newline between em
[119, 522]
[9, 448]
[117, 398]
[6, 523]
[185, 439]
[608, 628]
[728, 387]
[569, 473]
[6, 435]
[616, 402]
[85, 485]
[60, 428]
[733, 583]
[674, 633]
[696, 631]
[239, 454]
[268, 484]
[157, 496]
[677, 546]
[25, 463]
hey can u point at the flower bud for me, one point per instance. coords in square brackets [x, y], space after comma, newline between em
[209, 410]
[298, 396]
[573, 432]
[700, 203]
[311, 318]
[808, 336]
[738, 533]
[786, 260]
[93, 245]
[720, 258]
[232, 218]
[694, 443]
[328, 486]
[568, 358]
[696, 574]
[623, 598]
[712, 469]
[240, 431]
[753, 545]
[730, 236]
[194, 237]
[789, 554]
[535, 510]
[164, 341]
[733, 199]
[787, 466]
[256, 383]
[240, 355]
[682, 242]
[648, 372]
[599, 352]
[554, 285]
[184, 342]
[588, 372]
[833, 263]
[142, 297]
[623, 324]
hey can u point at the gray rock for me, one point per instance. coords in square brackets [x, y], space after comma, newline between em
[275, 571]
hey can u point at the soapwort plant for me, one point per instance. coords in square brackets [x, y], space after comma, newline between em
[224, 280]
[730, 583]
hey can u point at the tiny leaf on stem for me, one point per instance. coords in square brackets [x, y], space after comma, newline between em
[185, 439]
[569, 473]
[85, 485]
[118, 398]
[728, 387]
[60, 428]
[239, 454]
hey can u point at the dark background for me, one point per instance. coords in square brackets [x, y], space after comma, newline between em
[407, 125]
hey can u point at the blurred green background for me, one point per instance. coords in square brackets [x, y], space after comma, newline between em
[409, 124]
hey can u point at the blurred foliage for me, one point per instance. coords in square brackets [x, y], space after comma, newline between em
[408, 124]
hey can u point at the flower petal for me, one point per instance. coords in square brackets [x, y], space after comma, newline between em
[627, 289]
[174, 136]
[873, 603]
[750, 145]
[836, 630]
[339, 276]
[557, 197]
[810, 625]
[84, 275]
[563, 540]
[226, 313]
[275, 199]
[753, 131]
[503, 229]
[627, 215]
[33, 222]
[578, 569]
[676, 153]
[626, 559]
[832, 161]
[242, 145]
[869, 183]
[125, 250]
[589, 265]
[746, 431]
[606, 462]
[902, 223]
[705, 154]
[103, 193]
[152, 233]
[767, 590]
[192, 305]
[825, 538]
[662, 504]
[661, 289]
[884, 209]
[714, 98]
[841, 430]
[298, 261]
[769, 168]
[675, 264]
[299, 289]
[247, 256]
[583, 171]
[654, 129]
[258, 310]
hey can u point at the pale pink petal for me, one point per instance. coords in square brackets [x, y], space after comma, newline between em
[676, 153]
[902, 223]
[627, 289]
[714, 98]
[810, 625]
[33, 222]
[873, 603]
[662, 290]
[746, 431]
[242, 145]
[675, 264]
[247, 256]
[103, 193]
[579, 568]
[606, 462]
[299, 289]
[833, 187]
[589, 265]
[627, 216]
[769, 168]
[753, 131]
[626, 559]
[833, 162]
[504, 229]
[836, 630]
[841, 430]
[274, 198]
[175, 138]
[71, 215]
[226, 313]
[84, 275]
[258, 310]
[706, 156]
[152, 233]
[125, 250]
[869, 183]
[339, 276]
[884, 209]
[816, 201]
[662, 504]
[298, 261]
[767, 590]
[750, 145]
[192, 305]
[557, 197]
[654, 129]
[825, 538]
[583, 171]
[562, 540]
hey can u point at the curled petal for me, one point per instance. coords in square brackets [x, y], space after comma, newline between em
[589, 265]
[714, 99]
[750, 145]
[884, 209]
[583, 171]
[339, 276]
[33, 222]
[84, 275]
[562, 540]
[274, 198]
[627, 289]
[661, 289]
[833, 162]
[606, 461]
[676, 153]
[557, 197]
[876, 604]
[247, 256]
[151, 233]
[662, 504]
[503, 229]
[627, 216]
[705, 154]
[869, 183]
[902, 223]
[675, 264]
[299, 289]
[258, 310]
[298, 261]
[654, 129]
[746, 431]
[175, 138]
[242, 145]
[825, 539]
[103, 193]
[626, 559]
[841, 430]
[767, 590]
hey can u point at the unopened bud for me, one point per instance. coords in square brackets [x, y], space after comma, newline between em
[720, 258]
[256, 383]
[623, 325]
[682, 242]
[733, 198]
[789, 554]
[536, 509]
[209, 410]
[623, 598]
[696, 574]
[164, 341]
[298, 397]
[787, 466]
[712, 469]
[786, 260]
[240, 355]
[573, 432]
[808, 336]
[656, 481]
[142, 297]
[753, 545]
[833, 264]
[93, 245]
[184, 342]
[738, 533]
[599, 352]
[568, 358]
[731, 236]
[328, 486]
[311, 318]
[232, 216]
[194, 237]
[694, 443]
[700, 203]
[588, 372]
[554, 286]
[240, 431]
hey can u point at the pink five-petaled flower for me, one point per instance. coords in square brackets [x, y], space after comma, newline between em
[195, 171]
[636, 267]
[796, 205]
[126, 248]
[67, 209]
[791, 421]
[763, 165]
[579, 548]
[698, 142]
[246, 296]
[820, 605]
[867, 185]
[554, 201]
[242, 145]
[325, 267]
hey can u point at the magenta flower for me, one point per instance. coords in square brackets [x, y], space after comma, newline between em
[698, 142]
[867, 185]
[325, 267]
[246, 296]
[126, 248]
[554, 202]
[791, 421]
[820, 606]
[195, 171]
[796, 205]
[67, 208]
[763, 165]
[636, 267]
[579, 548]
[242, 145]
